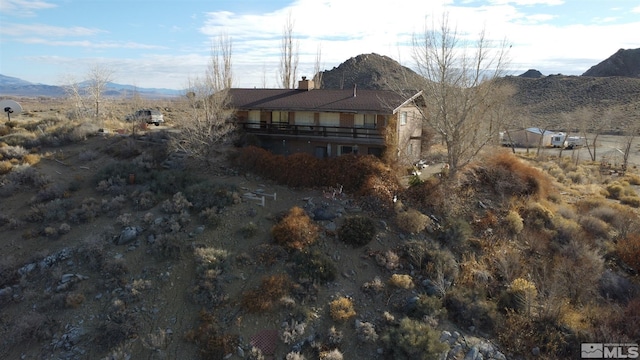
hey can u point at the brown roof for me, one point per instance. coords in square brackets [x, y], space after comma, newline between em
[317, 100]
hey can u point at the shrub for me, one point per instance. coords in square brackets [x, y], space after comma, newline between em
[630, 200]
[208, 194]
[468, 307]
[272, 288]
[414, 339]
[296, 230]
[5, 167]
[313, 265]
[249, 230]
[366, 331]
[426, 305]
[510, 176]
[74, 300]
[401, 281]
[31, 159]
[341, 309]
[357, 230]
[526, 332]
[628, 249]
[412, 221]
[455, 234]
[537, 216]
[513, 222]
[210, 336]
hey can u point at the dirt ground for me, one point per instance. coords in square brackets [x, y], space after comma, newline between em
[163, 307]
[42, 318]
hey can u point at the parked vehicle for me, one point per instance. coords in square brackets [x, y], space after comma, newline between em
[147, 115]
[574, 142]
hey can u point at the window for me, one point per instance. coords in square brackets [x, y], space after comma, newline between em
[403, 118]
[281, 117]
[365, 121]
[345, 149]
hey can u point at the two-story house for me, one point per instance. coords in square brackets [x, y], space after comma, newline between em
[330, 122]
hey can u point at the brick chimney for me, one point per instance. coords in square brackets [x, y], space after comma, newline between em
[305, 85]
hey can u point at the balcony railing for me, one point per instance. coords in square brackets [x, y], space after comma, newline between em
[312, 130]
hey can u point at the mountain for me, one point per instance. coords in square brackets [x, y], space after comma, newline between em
[622, 63]
[12, 86]
[371, 71]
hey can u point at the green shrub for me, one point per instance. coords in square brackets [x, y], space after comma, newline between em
[468, 307]
[414, 339]
[357, 230]
[428, 306]
[208, 194]
[455, 234]
[313, 265]
[296, 230]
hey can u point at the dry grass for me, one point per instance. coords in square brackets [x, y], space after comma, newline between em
[296, 230]
[341, 309]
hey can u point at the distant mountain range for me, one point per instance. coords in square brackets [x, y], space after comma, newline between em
[12, 86]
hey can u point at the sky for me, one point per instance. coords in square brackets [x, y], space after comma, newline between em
[167, 43]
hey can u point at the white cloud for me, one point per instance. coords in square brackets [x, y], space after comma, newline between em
[636, 10]
[46, 30]
[24, 8]
[91, 44]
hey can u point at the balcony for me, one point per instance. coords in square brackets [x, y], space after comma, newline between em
[364, 135]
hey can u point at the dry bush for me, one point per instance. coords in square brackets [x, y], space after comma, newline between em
[272, 288]
[513, 222]
[214, 343]
[628, 249]
[412, 221]
[366, 332]
[509, 176]
[296, 230]
[74, 300]
[341, 309]
[523, 333]
[577, 270]
[31, 159]
[537, 215]
[633, 201]
[5, 167]
[401, 281]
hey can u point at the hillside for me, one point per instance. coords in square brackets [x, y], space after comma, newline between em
[622, 63]
[371, 71]
[551, 95]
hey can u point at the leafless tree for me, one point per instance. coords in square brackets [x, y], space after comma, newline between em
[317, 69]
[98, 77]
[71, 87]
[207, 126]
[591, 124]
[460, 89]
[289, 56]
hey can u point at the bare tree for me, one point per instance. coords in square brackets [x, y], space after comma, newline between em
[98, 77]
[72, 89]
[317, 69]
[207, 126]
[591, 125]
[460, 89]
[289, 56]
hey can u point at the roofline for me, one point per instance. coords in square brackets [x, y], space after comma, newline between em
[412, 98]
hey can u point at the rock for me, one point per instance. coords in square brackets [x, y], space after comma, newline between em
[445, 336]
[128, 235]
[6, 292]
[472, 354]
[197, 231]
[486, 349]
[535, 351]
[323, 214]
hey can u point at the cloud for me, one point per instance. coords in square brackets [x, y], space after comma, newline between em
[92, 44]
[24, 8]
[46, 30]
[636, 10]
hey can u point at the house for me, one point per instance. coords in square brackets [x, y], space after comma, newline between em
[531, 137]
[330, 122]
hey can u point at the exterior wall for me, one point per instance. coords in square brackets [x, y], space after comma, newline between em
[357, 138]
[409, 135]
